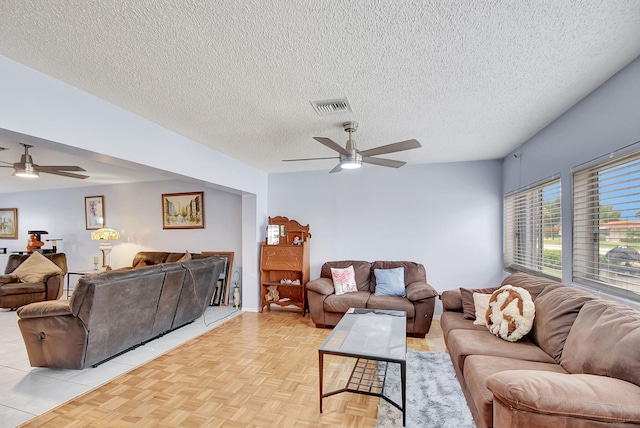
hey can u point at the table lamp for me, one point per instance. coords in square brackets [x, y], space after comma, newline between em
[104, 234]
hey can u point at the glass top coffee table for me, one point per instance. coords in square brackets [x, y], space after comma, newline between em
[375, 338]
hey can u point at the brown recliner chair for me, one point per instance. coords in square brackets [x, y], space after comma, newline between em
[14, 293]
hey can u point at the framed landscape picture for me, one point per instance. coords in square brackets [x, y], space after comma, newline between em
[94, 212]
[183, 210]
[8, 223]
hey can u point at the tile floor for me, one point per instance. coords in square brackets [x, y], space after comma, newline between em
[26, 391]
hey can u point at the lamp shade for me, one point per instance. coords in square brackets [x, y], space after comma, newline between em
[105, 234]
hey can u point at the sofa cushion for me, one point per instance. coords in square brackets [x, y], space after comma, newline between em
[481, 302]
[342, 303]
[413, 272]
[478, 368]
[468, 305]
[392, 303]
[575, 400]
[463, 342]
[390, 282]
[533, 284]
[362, 270]
[604, 340]
[455, 320]
[36, 268]
[556, 310]
[344, 280]
[511, 313]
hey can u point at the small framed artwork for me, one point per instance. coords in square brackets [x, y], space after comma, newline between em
[94, 212]
[8, 223]
[221, 294]
[183, 210]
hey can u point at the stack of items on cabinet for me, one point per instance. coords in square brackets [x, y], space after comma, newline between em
[536, 353]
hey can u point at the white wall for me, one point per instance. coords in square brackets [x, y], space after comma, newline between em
[132, 209]
[606, 120]
[445, 216]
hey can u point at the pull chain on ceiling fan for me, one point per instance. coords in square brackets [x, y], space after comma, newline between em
[352, 158]
[26, 167]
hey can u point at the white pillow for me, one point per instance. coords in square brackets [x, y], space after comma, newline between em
[511, 313]
[481, 302]
[35, 268]
[344, 280]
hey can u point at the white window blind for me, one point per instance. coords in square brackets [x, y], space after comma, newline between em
[607, 226]
[532, 229]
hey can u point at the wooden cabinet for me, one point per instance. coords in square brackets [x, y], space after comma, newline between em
[284, 267]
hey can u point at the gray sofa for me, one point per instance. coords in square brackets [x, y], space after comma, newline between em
[579, 366]
[114, 311]
[327, 308]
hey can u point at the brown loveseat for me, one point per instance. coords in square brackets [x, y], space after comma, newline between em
[114, 311]
[327, 308]
[579, 366]
[14, 293]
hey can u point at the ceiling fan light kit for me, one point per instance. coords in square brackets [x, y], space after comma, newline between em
[27, 169]
[352, 158]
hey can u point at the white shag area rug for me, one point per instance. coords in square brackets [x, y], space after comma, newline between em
[434, 396]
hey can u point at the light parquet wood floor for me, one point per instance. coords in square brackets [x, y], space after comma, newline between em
[256, 370]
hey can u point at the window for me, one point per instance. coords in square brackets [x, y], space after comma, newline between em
[606, 226]
[533, 229]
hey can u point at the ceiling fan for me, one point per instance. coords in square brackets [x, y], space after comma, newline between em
[26, 167]
[352, 158]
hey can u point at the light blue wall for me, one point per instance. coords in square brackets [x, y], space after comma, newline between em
[445, 216]
[132, 209]
[606, 120]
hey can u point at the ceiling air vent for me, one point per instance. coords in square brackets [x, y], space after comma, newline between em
[326, 107]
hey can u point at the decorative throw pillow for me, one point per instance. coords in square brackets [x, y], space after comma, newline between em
[35, 268]
[468, 305]
[344, 280]
[140, 264]
[481, 302]
[185, 258]
[511, 313]
[390, 282]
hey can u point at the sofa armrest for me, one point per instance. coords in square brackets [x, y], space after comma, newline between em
[50, 308]
[420, 290]
[579, 396]
[452, 300]
[8, 279]
[322, 286]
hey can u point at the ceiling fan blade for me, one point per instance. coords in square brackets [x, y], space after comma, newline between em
[332, 145]
[338, 168]
[392, 148]
[8, 165]
[383, 162]
[65, 174]
[306, 159]
[58, 168]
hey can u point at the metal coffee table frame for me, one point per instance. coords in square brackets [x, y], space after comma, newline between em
[371, 336]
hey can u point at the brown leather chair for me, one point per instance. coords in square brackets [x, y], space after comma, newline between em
[14, 293]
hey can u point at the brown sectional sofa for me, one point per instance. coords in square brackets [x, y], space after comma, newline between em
[114, 311]
[578, 367]
[327, 308]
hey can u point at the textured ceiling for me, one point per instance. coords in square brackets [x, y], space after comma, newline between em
[470, 80]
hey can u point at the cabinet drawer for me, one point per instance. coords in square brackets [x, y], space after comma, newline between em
[282, 257]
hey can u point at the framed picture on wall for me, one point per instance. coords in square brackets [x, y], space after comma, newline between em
[8, 223]
[221, 294]
[94, 212]
[183, 210]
